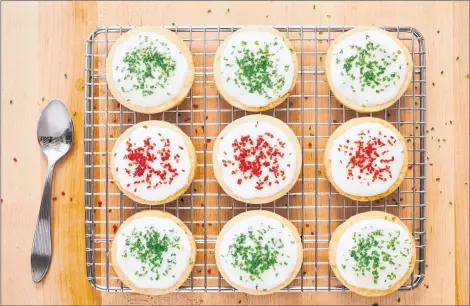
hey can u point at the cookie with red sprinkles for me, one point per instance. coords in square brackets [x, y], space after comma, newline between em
[257, 159]
[366, 159]
[153, 162]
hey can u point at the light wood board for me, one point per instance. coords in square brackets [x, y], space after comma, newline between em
[43, 56]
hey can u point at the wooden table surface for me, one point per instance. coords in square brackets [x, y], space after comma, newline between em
[43, 58]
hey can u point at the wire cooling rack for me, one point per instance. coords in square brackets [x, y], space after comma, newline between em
[313, 206]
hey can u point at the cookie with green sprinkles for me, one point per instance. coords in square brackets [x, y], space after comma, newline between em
[259, 252]
[149, 70]
[368, 69]
[372, 253]
[153, 252]
[255, 68]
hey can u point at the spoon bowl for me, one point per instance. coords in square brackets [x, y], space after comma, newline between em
[55, 136]
[55, 131]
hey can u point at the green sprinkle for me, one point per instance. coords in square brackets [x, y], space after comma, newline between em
[251, 254]
[149, 247]
[227, 11]
[257, 70]
[43, 99]
[371, 72]
[65, 75]
[149, 67]
[314, 7]
[11, 101]
[209, 11]
[328, 16]
[438, 179]
[370, 253]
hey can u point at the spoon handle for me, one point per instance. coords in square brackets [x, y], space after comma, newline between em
[41, 251]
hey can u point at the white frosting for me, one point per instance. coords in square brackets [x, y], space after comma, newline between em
[172, 86]
[247, 187]
[275, 231]
[281, 58]
[180, 253]
[388, 273]
[351, 89]
[163, 190]
[363, 184]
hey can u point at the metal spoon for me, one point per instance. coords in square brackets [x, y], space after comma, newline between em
[55, 135]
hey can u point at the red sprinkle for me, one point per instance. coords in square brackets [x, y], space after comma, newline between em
[142, 160]
[368, 158]
[15, 160]
[209, 271]
[438, 31]
[63, 193]
[410, 167]
[71, 199]
[252, 156]
[115, 227]
[54, 199]
[100, 203]
[433, 84]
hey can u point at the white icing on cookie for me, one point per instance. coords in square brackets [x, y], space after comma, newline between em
[366, 160]
[256, 159]
[148, 69]
[153, 163]
[270, 249]
[148, 267]
[374, 254]
[256, 68]
[368, 67]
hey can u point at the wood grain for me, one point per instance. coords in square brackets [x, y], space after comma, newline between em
[461, 153]
[43, 56]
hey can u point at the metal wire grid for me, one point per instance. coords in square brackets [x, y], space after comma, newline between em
[311, 111]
